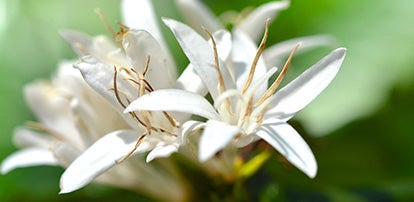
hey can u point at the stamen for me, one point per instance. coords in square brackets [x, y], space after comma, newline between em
[118, 98]
[269, 92]
[147, 65]
[147, 88]
[133, 150]
[222, 87]
[248, 112]
[105, 22]
[256, 58]
[116, 89]
[170, 119]
[260, 118]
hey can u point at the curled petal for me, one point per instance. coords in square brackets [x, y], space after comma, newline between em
[215, 137]
[33, 156]
[174, 100]
[285, 103]
[162, 150]
[188, 128]
[138, 46]
[290, 144]
[100, 157]
[255, 21]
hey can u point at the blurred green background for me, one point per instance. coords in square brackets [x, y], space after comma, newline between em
[360, 129]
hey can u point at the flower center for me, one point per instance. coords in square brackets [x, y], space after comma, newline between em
[236, 107]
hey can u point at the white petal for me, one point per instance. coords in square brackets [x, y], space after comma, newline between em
[189, 79]
[201, 56]
[198, 15]
[81, 43]
[174, 100]
[141, 15]
[65, 153]
[138, 45]
[215, 137]
[99, 76]
[254, 24]
[285, 103]
[188, 128]
[24, 137]
[98, 158]
[52, 109]
[162, 150]
[274, 54]
[33, 156]
[290, 144]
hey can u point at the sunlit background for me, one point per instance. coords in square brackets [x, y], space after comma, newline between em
[360, 128]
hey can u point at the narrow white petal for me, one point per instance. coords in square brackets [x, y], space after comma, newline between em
[285, 103]
[138, 46]
[290, 144]
[275, 54]
[24, 137]
[98, 158]
[33, 156]
[162, 150]
[174, 100]
[198, 15]
[254, 24]
[201, 55]
[215, 137]
[189, 79]
[81, 43]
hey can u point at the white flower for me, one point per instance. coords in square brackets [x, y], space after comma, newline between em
[121, 74]
[73, 115]
[244, 108]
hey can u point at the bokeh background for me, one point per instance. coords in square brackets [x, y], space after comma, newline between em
[360, 128]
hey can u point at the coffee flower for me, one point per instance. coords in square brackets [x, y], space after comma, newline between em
[244, 107]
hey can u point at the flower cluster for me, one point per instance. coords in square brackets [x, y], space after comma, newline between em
[124, 99]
